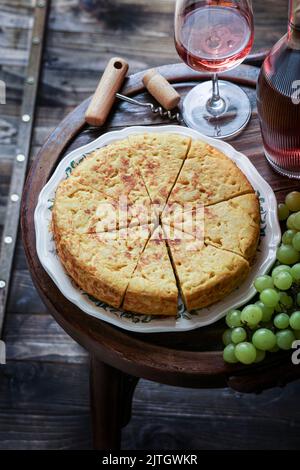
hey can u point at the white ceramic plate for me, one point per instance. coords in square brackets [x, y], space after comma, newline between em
[266, 253]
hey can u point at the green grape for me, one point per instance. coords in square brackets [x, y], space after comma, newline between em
[269, 297]
[263, 282]
[238, 335]
[229, 354]
[285, 339]
[283, 211]
[298, 299]
[233, 318]
[292, 201]
[245, 352]
[264, 339]
[287, 254]
[260, 355]
[251, 315]
[285, 300]
[297, 221]
[287, 237]
[295, 320]
[290, 222]
[297, 334]
[283, 280]
[295, 272]
[267, 312]
[280, 268]
[227, 337]
[296, 241]
[282, 321]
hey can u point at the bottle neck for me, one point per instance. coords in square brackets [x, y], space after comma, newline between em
[293, 35]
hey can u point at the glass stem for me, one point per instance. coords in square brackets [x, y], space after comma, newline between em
[215, 105]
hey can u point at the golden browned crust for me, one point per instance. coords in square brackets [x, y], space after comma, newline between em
[82, 209]
[159, 158]
[208, 177]
[205, 273]
[102, 267]
[112, 172]
[152, 288]
[87, 278]
[233, 225]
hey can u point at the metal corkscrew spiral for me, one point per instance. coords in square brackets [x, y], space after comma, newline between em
[172, 116]
[165, 114]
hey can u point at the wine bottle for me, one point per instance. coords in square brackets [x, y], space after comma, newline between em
[278, 99]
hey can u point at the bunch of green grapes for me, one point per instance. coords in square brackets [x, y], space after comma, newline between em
[273, 321]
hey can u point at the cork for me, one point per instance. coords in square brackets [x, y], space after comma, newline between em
[161, 89]
[105, 94]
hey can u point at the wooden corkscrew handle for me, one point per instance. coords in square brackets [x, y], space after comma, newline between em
[105, 94]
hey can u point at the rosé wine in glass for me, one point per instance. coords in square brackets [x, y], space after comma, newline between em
[218, 46]
[215, 36]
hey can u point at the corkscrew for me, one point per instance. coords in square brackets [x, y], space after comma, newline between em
[110, 84]
[172, 116]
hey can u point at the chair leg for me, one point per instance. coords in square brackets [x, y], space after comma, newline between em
[111, 397]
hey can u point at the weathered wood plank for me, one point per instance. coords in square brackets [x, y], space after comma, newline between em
[37, 337]
[48, 409]
[35, 410]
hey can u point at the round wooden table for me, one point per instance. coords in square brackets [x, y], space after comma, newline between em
[119, 358]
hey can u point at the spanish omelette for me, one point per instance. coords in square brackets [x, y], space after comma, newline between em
[119, 254]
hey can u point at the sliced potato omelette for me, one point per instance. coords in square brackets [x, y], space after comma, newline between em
[83, 209]
[205, 273]
[152, 288]
[208, 177]
[112, 172]
[102, 265]
[152, 214]
[233, 225]
[159, 158]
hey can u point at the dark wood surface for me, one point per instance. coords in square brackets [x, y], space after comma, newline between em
[35, 408]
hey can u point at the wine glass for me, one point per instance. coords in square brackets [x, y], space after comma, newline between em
[215, 36]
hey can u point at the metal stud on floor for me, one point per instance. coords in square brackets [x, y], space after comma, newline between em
[26, 118]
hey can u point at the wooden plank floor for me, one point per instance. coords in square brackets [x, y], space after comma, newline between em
[44, 386]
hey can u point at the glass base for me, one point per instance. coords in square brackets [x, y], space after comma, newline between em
[231, 121]
[282, 171]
